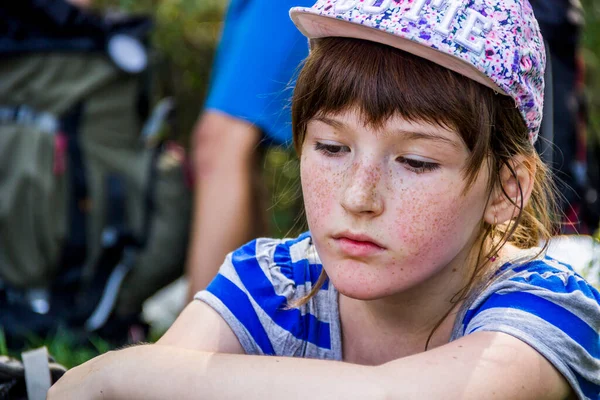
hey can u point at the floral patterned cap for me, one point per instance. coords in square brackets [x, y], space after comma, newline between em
[494, 42]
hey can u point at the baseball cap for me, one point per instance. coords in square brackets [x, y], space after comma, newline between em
[497, 43]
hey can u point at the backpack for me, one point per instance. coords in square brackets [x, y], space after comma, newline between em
[94, 205]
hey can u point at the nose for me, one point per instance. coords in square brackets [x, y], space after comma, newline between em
[361, 194]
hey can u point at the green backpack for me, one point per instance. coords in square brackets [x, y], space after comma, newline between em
[94, 214]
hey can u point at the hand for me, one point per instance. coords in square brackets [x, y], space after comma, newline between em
[85, 382]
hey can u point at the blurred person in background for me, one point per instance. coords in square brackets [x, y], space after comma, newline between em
[561, 22]
[247, 106]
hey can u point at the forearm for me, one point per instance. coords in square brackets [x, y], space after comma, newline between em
[160, 372]
[485, 366]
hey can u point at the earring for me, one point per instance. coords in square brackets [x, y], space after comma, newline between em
[492, 235]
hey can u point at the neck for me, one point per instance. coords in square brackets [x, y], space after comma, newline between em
[400, 325]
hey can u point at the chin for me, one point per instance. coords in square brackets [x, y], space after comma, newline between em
[365, 285]
[360, 293]
[370, 281]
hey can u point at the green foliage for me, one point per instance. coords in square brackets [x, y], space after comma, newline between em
[69, 353]
[67, 348]
[3, 347]
[281, 174]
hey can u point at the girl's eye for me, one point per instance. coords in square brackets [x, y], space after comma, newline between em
[417, 166]
[331, 150]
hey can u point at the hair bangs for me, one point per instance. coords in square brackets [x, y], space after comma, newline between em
[381, 82]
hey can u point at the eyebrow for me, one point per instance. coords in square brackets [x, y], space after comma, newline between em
[412, 135]
[409, 135]
[332, 122]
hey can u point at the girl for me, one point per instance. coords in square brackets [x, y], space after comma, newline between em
[420, 277]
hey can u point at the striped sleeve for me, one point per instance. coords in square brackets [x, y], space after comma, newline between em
[548, 306]
[252, 293]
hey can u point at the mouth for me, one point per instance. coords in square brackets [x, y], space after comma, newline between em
[357, 245]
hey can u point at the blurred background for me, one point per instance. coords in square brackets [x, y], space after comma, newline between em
[185, 39]
[182, 44]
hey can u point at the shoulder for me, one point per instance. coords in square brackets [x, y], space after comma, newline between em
[546, 304]
[289, 266]
[543, 288]
[547, 283]
[254, 290]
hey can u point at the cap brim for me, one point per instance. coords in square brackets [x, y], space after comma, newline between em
[315, 26]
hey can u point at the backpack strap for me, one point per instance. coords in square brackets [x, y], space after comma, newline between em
[119, 246]
[75, 249]
[37, 373]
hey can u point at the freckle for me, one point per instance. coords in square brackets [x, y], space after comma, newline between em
[453, 269]
[456, 358]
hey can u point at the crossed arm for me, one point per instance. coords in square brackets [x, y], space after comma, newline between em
[200, 358]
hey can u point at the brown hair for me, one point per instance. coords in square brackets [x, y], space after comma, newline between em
[380, 82]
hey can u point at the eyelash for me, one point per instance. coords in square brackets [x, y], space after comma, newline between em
[416, 166]
[330, 150]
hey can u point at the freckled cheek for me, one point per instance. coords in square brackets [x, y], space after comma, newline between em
[425, 219]
[318, 185]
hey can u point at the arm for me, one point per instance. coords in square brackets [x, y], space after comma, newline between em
[482, 365]
[224, 210]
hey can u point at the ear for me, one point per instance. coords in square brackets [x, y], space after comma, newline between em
[514, 189]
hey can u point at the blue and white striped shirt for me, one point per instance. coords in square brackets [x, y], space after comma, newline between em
[541, 302]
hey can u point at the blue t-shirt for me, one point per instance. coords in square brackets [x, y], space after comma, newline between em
[537, 300]
[258, 57]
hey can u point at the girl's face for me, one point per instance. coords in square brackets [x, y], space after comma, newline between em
[387, 208]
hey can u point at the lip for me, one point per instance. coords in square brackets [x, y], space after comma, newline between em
[357, 245]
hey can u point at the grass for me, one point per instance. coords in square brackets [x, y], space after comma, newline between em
[67, 348]
[64, 347]
[3, 346]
